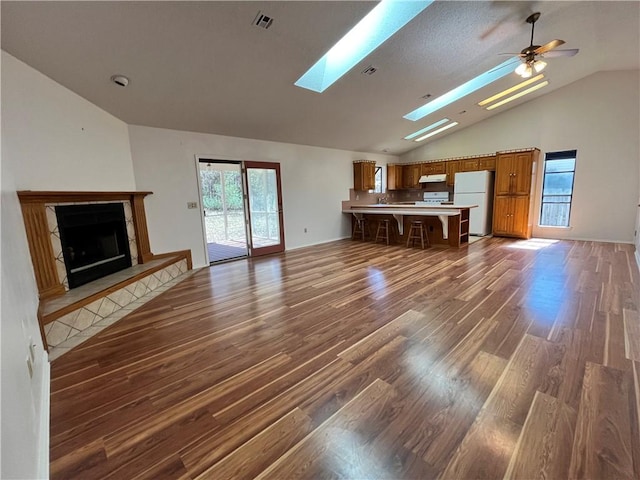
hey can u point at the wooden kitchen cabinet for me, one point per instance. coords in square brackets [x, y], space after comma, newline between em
[364, 175]
[514, 172]
[410, 175]
[487, 163]
[433, 168]
[394, 177]
[453, 166]
[510, 216]
[468, 165]
[514, 189]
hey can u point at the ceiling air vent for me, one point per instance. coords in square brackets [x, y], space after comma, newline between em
[262, 20]
[370, 70]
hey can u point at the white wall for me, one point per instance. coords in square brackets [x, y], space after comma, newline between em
[51, 140]
[57, 139]
[598, 116]
[314, 182]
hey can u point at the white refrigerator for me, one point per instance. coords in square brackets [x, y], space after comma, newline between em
[476, 188]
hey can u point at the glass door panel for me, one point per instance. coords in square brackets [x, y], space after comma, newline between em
[223, 209]
[265, 207]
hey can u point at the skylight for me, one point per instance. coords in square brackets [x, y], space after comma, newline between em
[463, 90]
[435, 132]
[378, 25]
[518, 95]
[426, 129]
[506, 92]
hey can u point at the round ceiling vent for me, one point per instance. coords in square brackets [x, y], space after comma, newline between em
[120, 80]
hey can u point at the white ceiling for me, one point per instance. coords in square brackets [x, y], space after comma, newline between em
[203, 66]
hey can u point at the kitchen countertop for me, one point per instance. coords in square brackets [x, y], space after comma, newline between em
[443, 212]
[405, 206]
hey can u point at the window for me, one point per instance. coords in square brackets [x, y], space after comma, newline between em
[378, 178]
[557, 188]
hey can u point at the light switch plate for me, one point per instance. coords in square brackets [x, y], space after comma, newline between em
[191, 205]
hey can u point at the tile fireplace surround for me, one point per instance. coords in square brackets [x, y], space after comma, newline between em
[68, 317]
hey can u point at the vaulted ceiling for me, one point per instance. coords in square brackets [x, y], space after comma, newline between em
[204, 66]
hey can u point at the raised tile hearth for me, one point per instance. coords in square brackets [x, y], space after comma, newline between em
[81, 313]
[68, 316]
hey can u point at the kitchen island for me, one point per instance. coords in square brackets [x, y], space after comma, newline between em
[446, 224]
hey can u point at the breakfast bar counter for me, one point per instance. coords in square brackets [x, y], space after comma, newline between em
[453, 220]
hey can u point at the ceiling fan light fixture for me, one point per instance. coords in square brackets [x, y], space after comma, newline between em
[539, 65]
[524, 70]
[527, 69]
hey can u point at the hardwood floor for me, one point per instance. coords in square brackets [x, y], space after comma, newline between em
[504, 359]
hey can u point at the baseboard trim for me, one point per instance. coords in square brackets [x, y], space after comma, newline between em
[637, 255]
[316, 243]
[43, 428]
[580, 239]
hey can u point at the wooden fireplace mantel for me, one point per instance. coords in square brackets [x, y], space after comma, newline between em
[35, 221]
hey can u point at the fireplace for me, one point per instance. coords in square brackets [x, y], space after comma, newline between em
[94, 241]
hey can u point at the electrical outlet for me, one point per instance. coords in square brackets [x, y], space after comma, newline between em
[191, 205]
[30, 367]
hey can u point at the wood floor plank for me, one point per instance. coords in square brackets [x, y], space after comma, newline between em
[341, 441]
[485, 450]
[438, 434]
[261, 451]
[354, 359]
[405, 324]
[602, 445]
[544, 447]
[535, 366]
[203, 452]
[631, 334]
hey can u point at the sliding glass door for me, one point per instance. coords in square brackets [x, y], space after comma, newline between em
[264, 202]
[223, 209]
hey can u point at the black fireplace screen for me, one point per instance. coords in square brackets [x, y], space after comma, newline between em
[94, 241]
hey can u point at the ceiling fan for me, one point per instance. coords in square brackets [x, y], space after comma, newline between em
[530, 62]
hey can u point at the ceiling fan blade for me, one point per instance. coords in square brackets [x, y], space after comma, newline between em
[513, 54]
[569, 52]
[549, 46]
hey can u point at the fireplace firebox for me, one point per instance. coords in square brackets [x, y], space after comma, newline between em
[94, 241]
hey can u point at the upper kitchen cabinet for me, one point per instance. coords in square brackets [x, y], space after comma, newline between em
[452, 166]
[394, 177]
[364, 175]
[433, 168]
[487, 163]
[410, 175]
[468, 165]
[514, 172]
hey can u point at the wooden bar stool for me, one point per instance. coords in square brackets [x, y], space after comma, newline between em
[360, 229]
[383, 231]
[418, 232]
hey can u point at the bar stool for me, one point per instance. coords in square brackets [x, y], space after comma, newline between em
[383, 231]
[418, 232]
[360, 229]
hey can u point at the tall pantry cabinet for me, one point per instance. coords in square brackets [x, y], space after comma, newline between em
[514, 193]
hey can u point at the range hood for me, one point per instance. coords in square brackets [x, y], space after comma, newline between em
[433, 178]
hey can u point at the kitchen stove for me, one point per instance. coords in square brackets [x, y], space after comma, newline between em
[433, 198]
